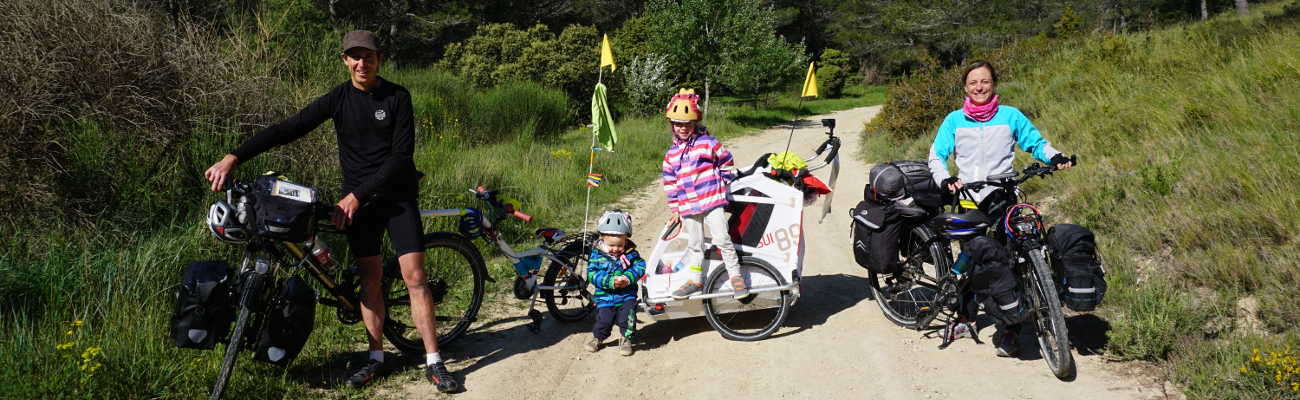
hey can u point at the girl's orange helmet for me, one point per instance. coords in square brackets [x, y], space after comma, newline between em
[684, 106]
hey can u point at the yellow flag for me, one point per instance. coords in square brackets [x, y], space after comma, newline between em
[606, 55]
[810, 83]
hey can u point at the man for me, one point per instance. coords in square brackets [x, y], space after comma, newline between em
[376, 136]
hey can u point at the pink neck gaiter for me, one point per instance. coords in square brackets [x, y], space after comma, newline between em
[981, 113]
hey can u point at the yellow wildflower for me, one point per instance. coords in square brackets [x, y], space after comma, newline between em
[77, 323]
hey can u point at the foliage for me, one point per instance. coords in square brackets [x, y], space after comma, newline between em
[833, 72]
[730, 42]
[645, 85]
[500, 53]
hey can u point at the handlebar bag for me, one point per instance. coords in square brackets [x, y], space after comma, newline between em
[284, 209]
[289, 322]
[896, 180]
[204, 305]
[1080, 277]
[875, 237]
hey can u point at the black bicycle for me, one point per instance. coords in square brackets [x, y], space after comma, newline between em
[268, 262]
[926, 289]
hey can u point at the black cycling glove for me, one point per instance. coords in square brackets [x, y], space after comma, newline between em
[948, 182]
[1059, 159]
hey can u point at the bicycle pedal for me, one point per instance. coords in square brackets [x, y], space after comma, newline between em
[438, 290]
[536, 324]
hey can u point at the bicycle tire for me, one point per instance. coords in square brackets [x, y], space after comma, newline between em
[1053, 335]
[716, 310]
[905, 306]
[574, 280]
[247, 295]
[455, 275]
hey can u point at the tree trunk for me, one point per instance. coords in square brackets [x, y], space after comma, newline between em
[1242, 8]
[1205, 13]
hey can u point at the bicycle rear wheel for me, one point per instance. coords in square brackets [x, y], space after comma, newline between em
[570, 301]
[907, 297]
[454, 274]
[1053, 337]
[248, 292]
[755, 316]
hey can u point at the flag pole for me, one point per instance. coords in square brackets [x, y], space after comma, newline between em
[809, 82]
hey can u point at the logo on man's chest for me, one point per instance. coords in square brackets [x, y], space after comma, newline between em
[380, 115]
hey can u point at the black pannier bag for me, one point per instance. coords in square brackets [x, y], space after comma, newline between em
[204, 305]
[875, 237]
[288, 323]
[284, 209]
[993, 280]
[1080, 277]
[896, 181]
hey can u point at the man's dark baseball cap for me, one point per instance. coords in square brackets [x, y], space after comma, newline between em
[364, 39]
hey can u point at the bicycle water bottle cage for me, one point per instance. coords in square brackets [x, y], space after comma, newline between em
[471, 223]
[1023, 222]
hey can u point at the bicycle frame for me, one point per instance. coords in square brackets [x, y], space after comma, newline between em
[492, 236]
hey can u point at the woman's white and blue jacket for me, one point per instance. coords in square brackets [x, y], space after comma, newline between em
[985, 148]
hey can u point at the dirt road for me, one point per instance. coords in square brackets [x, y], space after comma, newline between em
[835, 345]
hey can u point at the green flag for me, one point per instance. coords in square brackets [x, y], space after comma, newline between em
[602, 122]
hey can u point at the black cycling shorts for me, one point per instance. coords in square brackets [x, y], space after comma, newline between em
[400, 217]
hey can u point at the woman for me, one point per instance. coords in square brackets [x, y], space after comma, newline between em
[983, 135]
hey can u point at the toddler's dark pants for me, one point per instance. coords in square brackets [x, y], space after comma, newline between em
[624, 315]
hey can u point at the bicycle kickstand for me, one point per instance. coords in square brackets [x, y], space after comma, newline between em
[535, 323]
[956, 330]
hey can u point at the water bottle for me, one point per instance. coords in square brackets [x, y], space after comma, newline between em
[963, 261]
[322, 253]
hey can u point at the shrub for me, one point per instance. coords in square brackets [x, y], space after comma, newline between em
[833, 72]
[106, 95]
[515, 109]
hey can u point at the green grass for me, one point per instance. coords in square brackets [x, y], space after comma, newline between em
[1189, 171]
[118, 279]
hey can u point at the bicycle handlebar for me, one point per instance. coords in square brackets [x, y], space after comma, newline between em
[506, 208]
[1013, 178]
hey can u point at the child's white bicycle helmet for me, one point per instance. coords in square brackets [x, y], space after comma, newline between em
[615, 222]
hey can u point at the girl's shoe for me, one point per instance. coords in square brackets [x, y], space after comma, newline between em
[686, 290]
[592, 345]
[738, 288]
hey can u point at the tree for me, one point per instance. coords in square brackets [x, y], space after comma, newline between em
[731, 42]
[833, 72]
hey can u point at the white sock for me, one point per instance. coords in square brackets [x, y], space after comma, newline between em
[377, 355]
[432, 358]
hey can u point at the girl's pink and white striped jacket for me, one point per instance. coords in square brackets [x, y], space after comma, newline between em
[696, 173]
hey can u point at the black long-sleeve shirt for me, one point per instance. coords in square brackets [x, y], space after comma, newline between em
[376, 136]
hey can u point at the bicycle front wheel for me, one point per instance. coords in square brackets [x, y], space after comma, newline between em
[248, 292]
[755, 316]
[567, 297]
[454, 276]
[1053, 337]
[909, 296]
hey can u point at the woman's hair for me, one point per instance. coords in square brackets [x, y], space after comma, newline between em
[977, 64]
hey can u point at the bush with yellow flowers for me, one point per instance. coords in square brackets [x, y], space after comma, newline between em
[1279, 367]
[84, 358]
